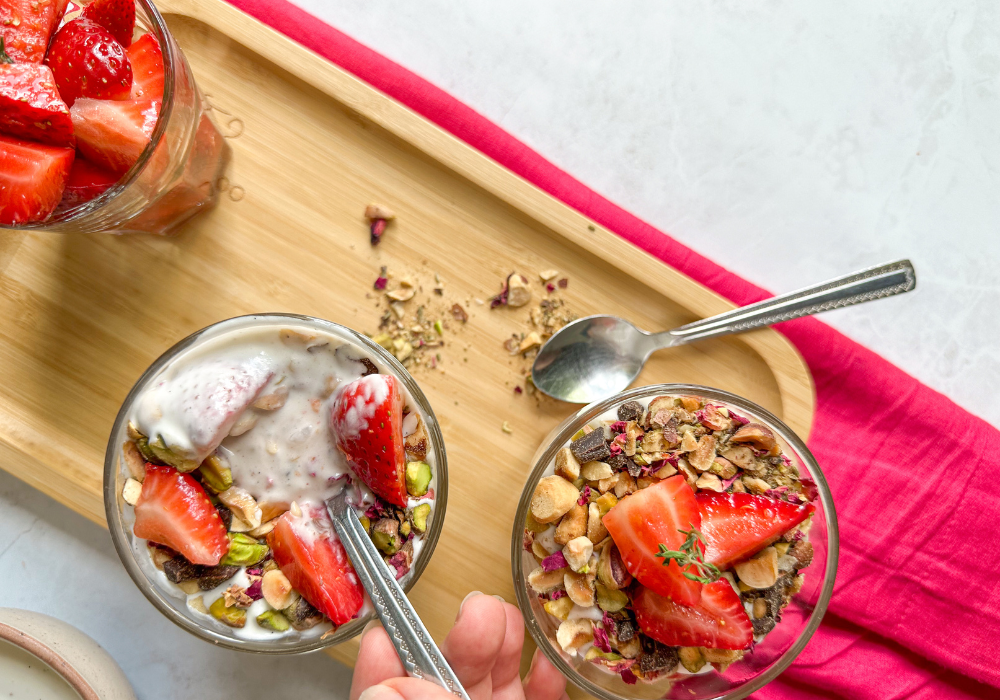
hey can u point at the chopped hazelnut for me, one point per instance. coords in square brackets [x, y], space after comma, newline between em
[722, 658]
[709, 482]
[690, 475]
[578, 588]
[548, 275]
[605, 485]
[277, 589]
[703, 456]
[566, 465]
[131, 491]
[723, 468]
[518, 291]
[595, 471]
[530, 342]
[401, 294]
[741, 456]
[626, 485]
[760, 436]
[542, 581]
[242, 504]
[688, 442]
[272, 401]
[596, 531]
[755, 485]
[665, 471]
[761, 571]
[577, 552]
[573, 634]
[553, 498]
[134, 460]
[379, 211]
[690, 403]
[572, 525]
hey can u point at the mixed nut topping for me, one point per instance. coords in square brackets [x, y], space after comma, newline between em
[668, 537]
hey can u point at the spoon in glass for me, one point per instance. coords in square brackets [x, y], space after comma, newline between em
[597, 356]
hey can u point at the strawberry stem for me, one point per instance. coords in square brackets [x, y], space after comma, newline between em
[4, 58]
[691, 558]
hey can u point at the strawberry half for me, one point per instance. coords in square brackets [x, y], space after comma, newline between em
[315, 563]
[147, 68]
[738, 525]
[174, 510]
[85, 182]
[113, 134]
[640, 523]
[718, 621]
[26, 26]
[32, 177]
[30, 105]
[117, 16]
[367, 420]
[88, 62]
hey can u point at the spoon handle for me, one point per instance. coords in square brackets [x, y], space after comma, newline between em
[874, 283]
[421, 657]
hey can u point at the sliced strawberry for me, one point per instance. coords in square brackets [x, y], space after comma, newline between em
[32, 177]
[117, 16]
[640, 523]
[113, 134]
[173, 509]
[367, 419]
[147, 68]
[315, 563]
[88, 62]
[26, 25]
[738, 525]
[718, 621]
[85, 182]
[30, 106]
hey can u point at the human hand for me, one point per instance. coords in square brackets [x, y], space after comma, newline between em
[483, 648]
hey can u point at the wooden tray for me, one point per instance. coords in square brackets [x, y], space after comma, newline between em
[85, 315]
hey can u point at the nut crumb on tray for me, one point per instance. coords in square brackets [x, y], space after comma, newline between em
[653, 554]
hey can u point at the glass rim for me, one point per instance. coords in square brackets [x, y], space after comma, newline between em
[170, 55]
[151, 591]
[561, 435]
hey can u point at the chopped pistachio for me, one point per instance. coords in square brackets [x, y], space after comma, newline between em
[609, 599]
[167, 455]
[595, 653]
[418, 478]
[215, 475]
[366, 523]
[405, 528]
[606, 503]
[533, 525]
[505, 426]
[782, 547]
[691, 658]
[385, 535]
[439, 327]
[243, 551]
[420, 515]
[234, 617]
[383, 339]
[273, 620]
[559, 608]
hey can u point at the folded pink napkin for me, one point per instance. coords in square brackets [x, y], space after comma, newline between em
[916, 608]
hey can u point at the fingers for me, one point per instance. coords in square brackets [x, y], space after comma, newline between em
[474, 643]
[507, 668]
[406, 689]
[543, 682]
[377, 661]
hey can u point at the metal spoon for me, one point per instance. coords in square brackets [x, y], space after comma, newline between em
[416, 648]
[597, 356]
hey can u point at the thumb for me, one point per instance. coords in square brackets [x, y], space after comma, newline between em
[406, 689]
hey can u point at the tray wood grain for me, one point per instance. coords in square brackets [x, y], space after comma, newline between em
[85, 315]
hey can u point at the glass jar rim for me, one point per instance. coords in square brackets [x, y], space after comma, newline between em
[561, 435]
[111, 467]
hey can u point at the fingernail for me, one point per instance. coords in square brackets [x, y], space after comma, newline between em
[379, 692]
[465, 600]
[500, 598]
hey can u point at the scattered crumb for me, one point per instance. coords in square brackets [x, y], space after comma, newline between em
[505, 426]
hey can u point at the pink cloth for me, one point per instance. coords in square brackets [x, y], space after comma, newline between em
[916, 609]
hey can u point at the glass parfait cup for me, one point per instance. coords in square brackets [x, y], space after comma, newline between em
[176, 174]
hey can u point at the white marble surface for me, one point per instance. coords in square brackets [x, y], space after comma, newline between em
[789, 141]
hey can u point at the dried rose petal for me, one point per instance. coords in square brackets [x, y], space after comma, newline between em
[563, 283]
[518, 390]
[550, 287]
[601, 640]
[382, 280]
[459, 313]
[554, 561]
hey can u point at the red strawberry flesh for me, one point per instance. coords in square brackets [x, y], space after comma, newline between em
[88, 62]
[85, 182]
[717, 621]
[640, 523]
[26, 26]
[30, 105]
[147, 68]
[174, 510]
[117, 16]
[738, 525]
[113, 134]
[32, 177]
[315, 563]
[367, 420]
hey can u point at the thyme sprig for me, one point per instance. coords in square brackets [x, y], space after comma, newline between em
[4, 58]
[690, 558]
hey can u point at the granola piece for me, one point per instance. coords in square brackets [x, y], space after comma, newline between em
[591, 447]
[518, 291]
[134, 461]
[629, 649]
[573, 634]
[709, 482]
[759, 436]
[626, 485]
[131, 491]
[596, 532]
[723, 468]
[416, 442]
[802, 551]
[653, 441]
[611, 569]
[689, 443]
[566, 465]
[595, 471]
[704, 455]
[577, 553]
[633, 433]
[232, 616]
[236, 596]
[755, 485]
[572, 525]
[605, 485]
[548, 275]
[761, 571]
[741, 456]
[578, 588]
[302, 615]
[665, 471]
[657, 657]
[630, 411]
[553, 498]
[690, 475]
[180, 569]
[542, 581]
[531, 341]
[240, 501]
[690, 403]
[212, 576]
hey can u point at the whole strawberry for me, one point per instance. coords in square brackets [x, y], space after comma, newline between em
[88, 62]
[117, 16]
